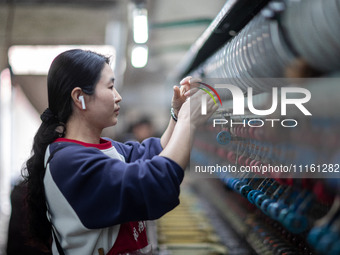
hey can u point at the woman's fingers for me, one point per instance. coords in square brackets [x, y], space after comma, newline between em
[185, 80]
[191, 92]
[190, 88]
[194, 82]
[187, 84]
[177, 92]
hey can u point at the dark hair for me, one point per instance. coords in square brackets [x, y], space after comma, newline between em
[70, 69]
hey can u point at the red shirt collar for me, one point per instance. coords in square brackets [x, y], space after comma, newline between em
[104, 144]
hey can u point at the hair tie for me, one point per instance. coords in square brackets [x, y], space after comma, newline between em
[48, 116]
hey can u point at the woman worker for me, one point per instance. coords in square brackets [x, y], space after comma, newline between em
[92, 193]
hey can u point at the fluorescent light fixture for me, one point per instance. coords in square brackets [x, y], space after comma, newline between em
[139, 56]
[36, 60]
[140, 25]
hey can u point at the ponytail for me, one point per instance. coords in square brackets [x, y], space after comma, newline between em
[40, 227]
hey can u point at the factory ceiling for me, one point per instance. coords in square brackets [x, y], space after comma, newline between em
[173, 27]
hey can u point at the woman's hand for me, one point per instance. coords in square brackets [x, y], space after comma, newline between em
[181, 93]
[180, 96]
[192, 108]
[189, 118]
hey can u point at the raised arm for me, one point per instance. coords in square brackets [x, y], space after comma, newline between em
[178, 99]
[189, 118]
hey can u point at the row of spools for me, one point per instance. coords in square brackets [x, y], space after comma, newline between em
[294, 209]
[293, 38]
[308, 207]
[271, 43]
[303, 205]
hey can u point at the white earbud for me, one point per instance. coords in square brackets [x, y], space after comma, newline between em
[81, 98]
